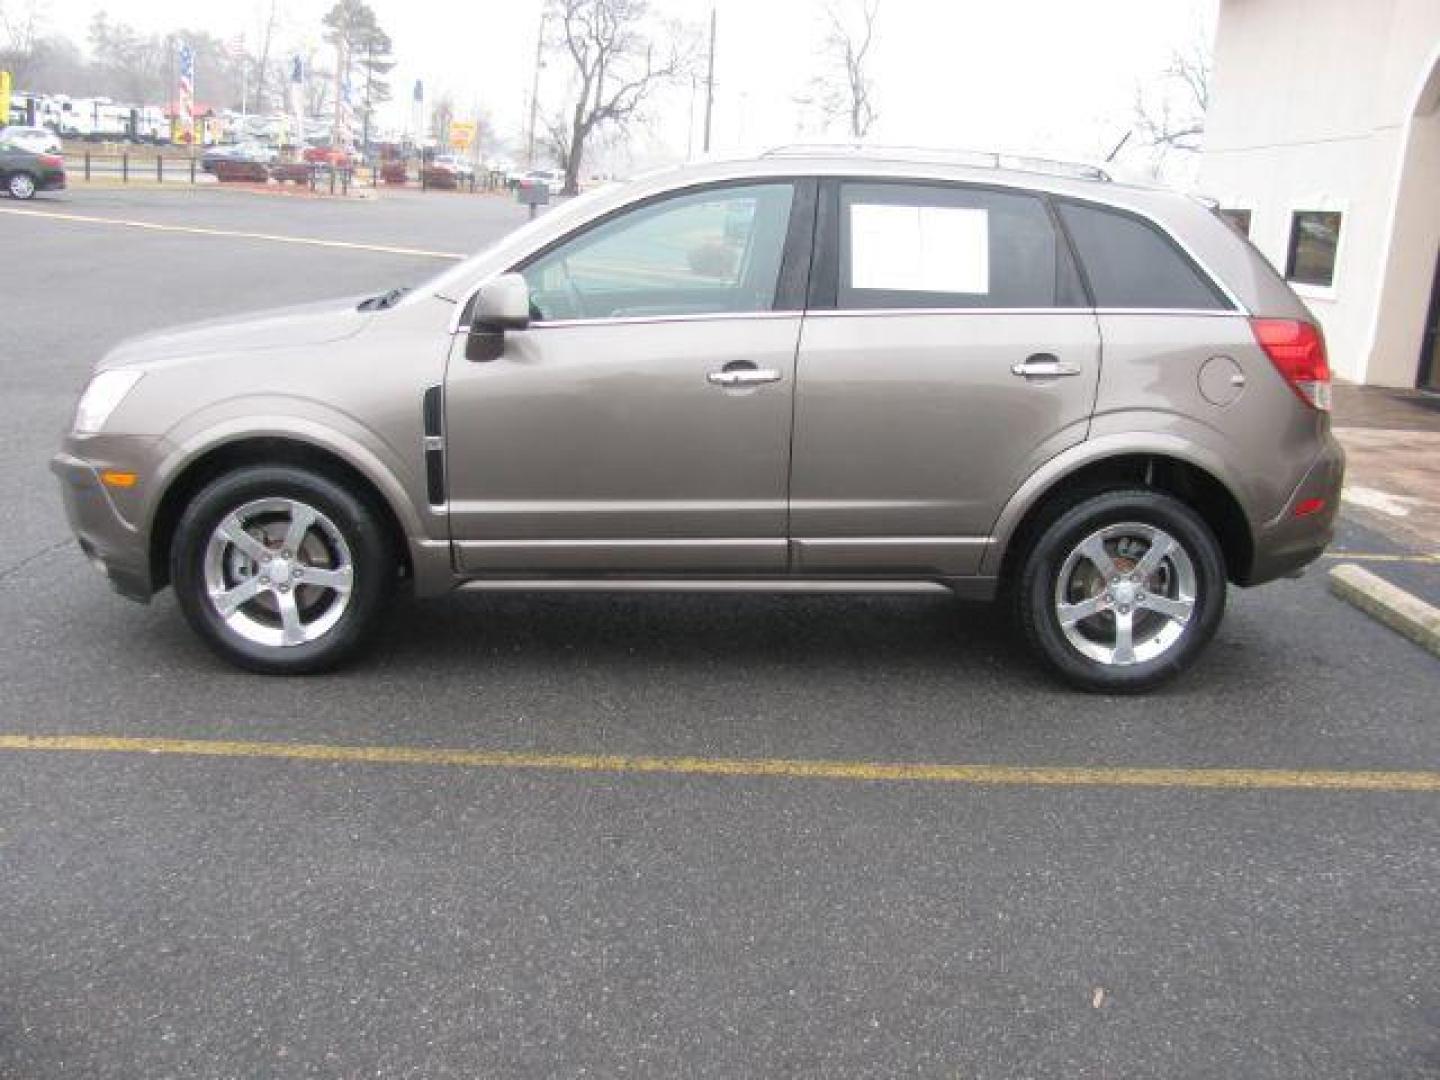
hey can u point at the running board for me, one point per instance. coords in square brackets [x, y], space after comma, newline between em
[715, 585]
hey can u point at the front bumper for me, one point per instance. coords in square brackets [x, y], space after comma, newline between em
[1288, 543]
[115, 547]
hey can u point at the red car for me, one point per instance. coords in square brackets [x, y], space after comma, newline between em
[335, 157]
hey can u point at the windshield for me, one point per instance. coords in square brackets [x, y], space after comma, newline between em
[451, 284]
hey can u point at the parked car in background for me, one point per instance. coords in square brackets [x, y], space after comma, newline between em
[24, 172]
[447, 171]
[38, 140]
[815, 370]
[246, 152]
[334, 157]
[463, 167]
[553, 179]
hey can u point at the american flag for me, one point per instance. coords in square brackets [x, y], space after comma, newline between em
[187, 84]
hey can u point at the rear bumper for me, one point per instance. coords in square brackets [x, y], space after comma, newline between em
[111, 544]
[1290, 542]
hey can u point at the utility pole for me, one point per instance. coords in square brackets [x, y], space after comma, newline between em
[690, 120]
[535, 92]
[710, 80]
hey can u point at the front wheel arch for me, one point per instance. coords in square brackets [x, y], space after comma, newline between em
[268, 450]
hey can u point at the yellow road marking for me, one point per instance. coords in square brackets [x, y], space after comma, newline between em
[1370, 556]
[274, 238]
[1011, 775]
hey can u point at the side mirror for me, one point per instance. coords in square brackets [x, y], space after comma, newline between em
[501, 304]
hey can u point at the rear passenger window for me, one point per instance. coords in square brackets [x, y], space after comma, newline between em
[933, 246]
[1132, 264]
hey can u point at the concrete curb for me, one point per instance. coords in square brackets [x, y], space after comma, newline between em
[1402, 612]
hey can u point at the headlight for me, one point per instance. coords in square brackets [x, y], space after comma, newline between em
[105, 391]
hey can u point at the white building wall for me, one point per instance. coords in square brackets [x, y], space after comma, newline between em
[1311, 108]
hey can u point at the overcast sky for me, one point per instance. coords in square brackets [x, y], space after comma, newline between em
[1053, 75]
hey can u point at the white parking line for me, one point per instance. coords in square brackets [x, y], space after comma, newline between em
[274, 238]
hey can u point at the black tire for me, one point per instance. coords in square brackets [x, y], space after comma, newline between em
[21, 185]
[370, 550]
[1035, 589]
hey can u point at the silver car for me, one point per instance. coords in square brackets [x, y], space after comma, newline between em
[816, 370]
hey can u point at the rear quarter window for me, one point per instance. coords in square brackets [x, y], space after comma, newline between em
[1132, 264]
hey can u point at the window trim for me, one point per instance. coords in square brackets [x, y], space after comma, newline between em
[790, 282]
[1308, 289]
[823, 296]
[810, 263]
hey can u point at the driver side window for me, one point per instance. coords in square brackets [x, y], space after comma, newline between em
[706, 252]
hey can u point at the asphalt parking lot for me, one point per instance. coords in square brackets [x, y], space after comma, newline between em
[633, 876]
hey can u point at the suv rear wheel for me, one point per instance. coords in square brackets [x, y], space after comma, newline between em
[1122, 591]
[281, 570]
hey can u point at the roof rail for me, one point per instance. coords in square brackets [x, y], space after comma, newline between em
[980, 159]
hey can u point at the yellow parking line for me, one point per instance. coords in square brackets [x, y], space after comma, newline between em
[274, 238]
[1009, 775]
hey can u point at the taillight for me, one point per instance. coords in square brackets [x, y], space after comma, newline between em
[1297, 350]
[51, 161]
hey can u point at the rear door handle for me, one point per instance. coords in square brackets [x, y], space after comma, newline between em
[1043, 366]
[743, 376]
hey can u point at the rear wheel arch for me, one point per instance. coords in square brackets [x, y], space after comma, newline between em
[263, 450]
[1192, 484]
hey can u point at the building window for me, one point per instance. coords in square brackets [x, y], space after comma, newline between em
[1314, 239]
[1239, 220]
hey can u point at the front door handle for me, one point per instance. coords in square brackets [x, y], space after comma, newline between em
[747, 376]
[1044, 366]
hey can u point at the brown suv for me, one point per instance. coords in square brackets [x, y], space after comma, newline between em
[814, 370]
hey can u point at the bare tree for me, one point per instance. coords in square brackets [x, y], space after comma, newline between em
[843, 89]
[616, 69]
[262, 62]
[1170, 112]
[22, 29]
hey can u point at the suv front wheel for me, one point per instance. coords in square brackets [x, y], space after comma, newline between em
[281, 570]
[1122, 591]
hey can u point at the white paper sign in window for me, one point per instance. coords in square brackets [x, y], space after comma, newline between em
[941, 249]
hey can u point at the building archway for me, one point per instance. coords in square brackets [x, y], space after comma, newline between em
[1405, 347]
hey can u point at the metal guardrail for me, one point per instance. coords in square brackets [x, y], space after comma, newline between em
[89, 166]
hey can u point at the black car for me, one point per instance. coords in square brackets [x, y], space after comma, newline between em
[246, 152]
[23, 173]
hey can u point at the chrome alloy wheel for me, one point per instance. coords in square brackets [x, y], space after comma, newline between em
[1125, 594]
[278, 572]
[22, 185]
